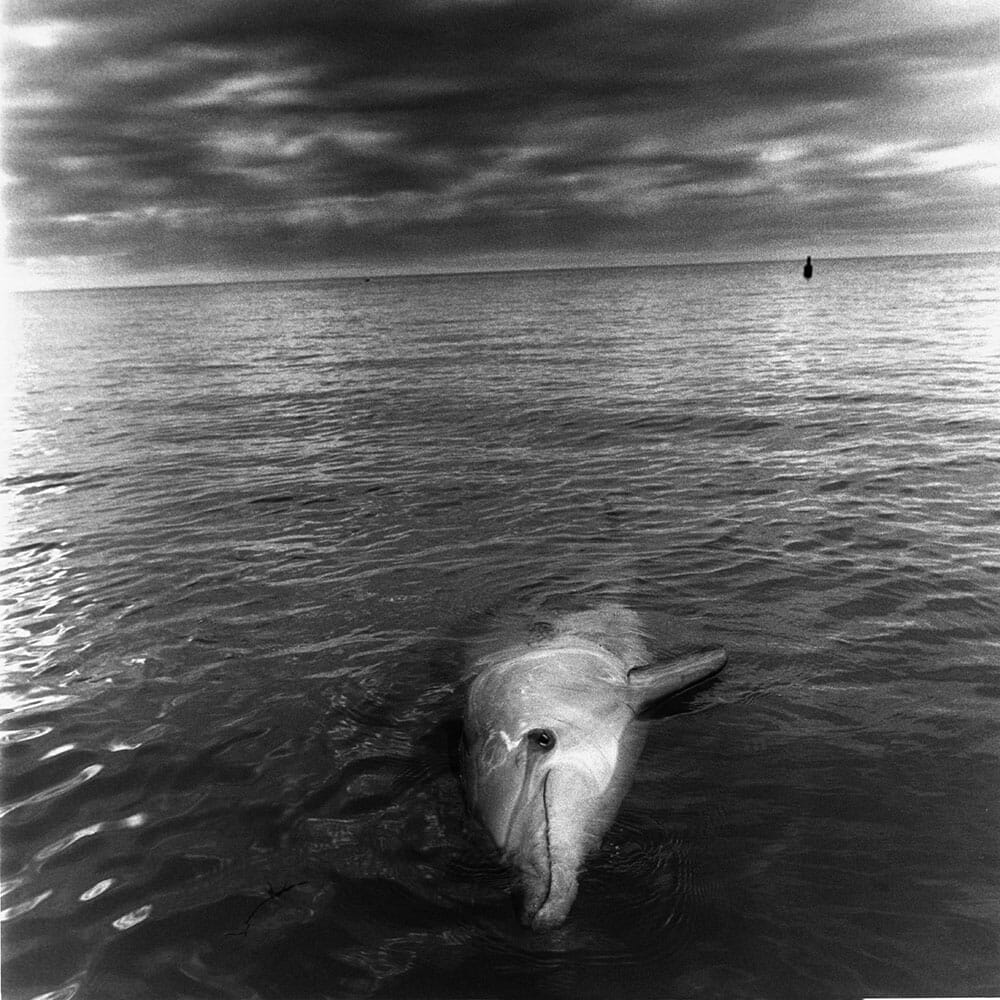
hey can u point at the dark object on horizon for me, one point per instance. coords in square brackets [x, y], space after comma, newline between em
[807, 271]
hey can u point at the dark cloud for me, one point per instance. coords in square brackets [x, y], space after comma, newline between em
[181, 136]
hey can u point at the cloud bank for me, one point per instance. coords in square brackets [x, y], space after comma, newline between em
[216, 138]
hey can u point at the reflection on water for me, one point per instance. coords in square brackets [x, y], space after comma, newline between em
[248, 529]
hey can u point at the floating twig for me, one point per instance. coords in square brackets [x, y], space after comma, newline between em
[272, 894]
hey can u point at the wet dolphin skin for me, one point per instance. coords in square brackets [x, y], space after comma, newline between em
[551, 736]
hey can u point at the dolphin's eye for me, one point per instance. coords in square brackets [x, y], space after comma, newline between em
[544, 739]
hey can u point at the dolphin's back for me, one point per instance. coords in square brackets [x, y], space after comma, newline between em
[614, 627]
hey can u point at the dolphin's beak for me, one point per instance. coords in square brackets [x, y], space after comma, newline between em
[538, 814]
[549, 878]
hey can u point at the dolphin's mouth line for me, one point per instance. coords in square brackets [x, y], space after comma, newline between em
[548, 843]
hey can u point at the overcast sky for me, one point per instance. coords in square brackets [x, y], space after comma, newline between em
[197, 139]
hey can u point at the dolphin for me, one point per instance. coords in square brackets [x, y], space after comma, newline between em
[552, 731]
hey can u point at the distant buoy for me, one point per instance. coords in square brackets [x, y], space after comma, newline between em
[807, 271]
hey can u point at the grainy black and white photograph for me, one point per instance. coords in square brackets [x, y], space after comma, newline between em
[500, 499]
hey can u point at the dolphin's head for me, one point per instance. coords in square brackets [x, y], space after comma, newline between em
[543, 756]
[549, 746]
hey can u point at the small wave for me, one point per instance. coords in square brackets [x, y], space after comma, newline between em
[67, 992]
[42, 482]
[131, 919]
[83, 776]
[741, 426]
[20, 909]
[23, 735]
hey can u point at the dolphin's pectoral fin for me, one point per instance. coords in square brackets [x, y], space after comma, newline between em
[653, 683]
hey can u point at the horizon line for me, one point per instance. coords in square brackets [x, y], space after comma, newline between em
[449, 273]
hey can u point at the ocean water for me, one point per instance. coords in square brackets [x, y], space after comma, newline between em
[248, 528]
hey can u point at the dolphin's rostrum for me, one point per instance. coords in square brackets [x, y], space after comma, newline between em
[551, 735]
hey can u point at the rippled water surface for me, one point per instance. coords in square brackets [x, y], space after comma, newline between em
[247, 529]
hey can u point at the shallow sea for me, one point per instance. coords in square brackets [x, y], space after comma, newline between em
[247, 529]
